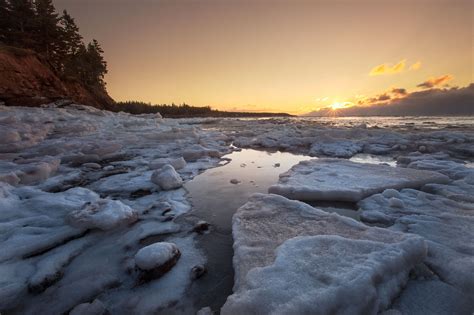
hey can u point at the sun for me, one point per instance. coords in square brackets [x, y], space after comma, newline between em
[339, 105]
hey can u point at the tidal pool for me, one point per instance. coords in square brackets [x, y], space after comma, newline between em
[215, 199]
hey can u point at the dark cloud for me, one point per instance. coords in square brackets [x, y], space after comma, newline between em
[383, 97]
[399, 91]
[435, 102]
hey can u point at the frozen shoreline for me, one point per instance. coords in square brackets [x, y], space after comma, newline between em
[82, 189]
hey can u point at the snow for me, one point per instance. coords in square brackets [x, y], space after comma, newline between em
[291, 258]
[77, 203]
[433, 297]
[447, 226]
[104, 214]
[335, 148]
[177, 163]
[156, 255]
[197, 152]
[167, 178]
[342, 180]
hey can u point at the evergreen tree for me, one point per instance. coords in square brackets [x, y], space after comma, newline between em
[5, 21]
[48, 33]
[97, 63]
[70, 38]
[22, 22]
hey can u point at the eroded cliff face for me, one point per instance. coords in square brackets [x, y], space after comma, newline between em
[26, 80]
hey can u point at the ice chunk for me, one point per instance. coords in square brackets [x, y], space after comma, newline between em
[177, 163]
[452, 169]
[10, 178]
[317, 254]
[124, 184]
[104, 214]
[447, 226]
[324, 275]
[433, 297]
[167, 178]
[342, 180]
[198, 151]
[335, 148]
[460, 190]
[49, 269]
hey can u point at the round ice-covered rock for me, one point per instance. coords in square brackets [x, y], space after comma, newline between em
[160, 255]
[167, 178]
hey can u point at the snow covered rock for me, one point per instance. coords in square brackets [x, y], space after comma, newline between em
[446, 225]
[156, 259]
[335, 148]
[343, 180]
[156, 255]
[197, 152]
[290, 258]
[105, 214]
[28, 171]
[167, 178]
[177, 163]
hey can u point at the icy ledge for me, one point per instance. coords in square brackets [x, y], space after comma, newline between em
[291, 258]
[446, 225]
[343, 180]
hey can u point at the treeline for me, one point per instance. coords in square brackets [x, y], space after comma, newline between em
[35, 25]
[183, 110]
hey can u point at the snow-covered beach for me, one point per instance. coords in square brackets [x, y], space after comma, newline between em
[111, 212]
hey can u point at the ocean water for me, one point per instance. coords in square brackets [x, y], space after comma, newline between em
[419, 122]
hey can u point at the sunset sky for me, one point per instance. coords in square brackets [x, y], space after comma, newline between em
[291, 56]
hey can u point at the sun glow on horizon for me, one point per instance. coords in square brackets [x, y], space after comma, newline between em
[339, 105]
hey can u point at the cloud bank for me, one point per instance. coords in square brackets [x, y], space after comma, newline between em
[430, 102]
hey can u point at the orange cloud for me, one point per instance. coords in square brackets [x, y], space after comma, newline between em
[387, 68]
[433, 82]
[386, 96]
[416, 65]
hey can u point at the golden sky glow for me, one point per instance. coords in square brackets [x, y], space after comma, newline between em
[263, 55]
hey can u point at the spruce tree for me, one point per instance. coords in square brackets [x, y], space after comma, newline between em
[97, 63]
[5, 20]
[48, 33]
[22, 23]
[71, 39]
